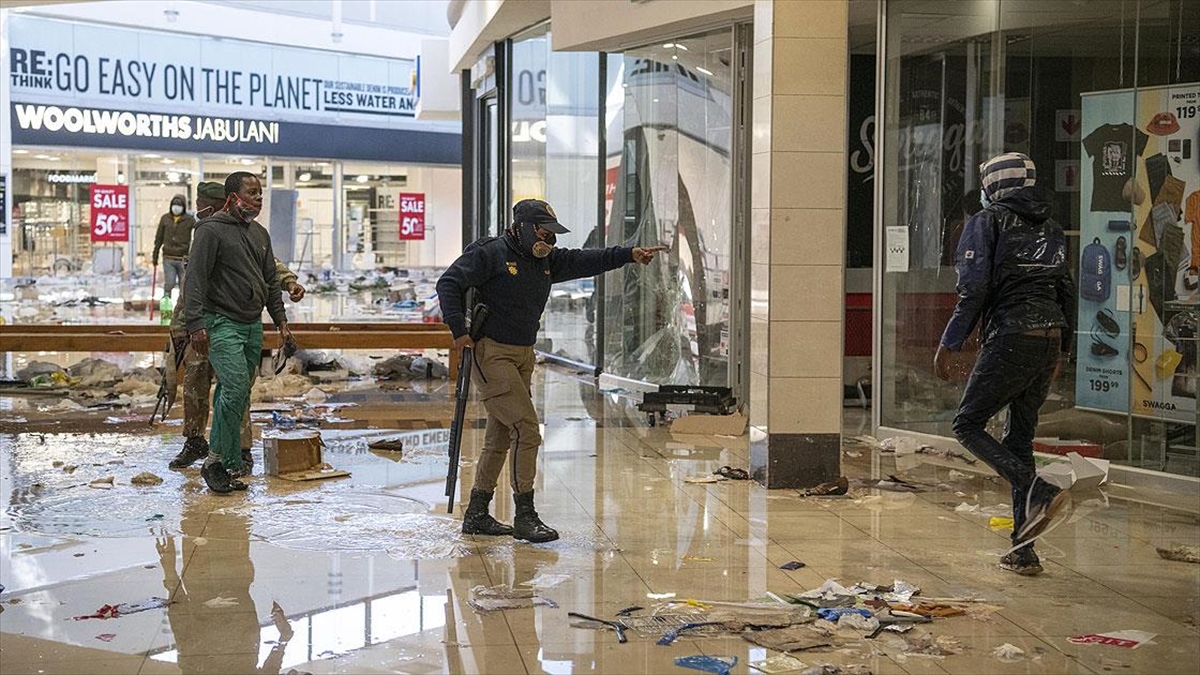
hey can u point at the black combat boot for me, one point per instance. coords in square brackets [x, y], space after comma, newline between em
[477, 520]
[527, 525]
[219, 480]
[195, 448]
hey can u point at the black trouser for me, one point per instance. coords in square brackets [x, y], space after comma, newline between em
[1014, 372]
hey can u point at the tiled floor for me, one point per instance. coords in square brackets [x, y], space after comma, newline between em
[372, 577]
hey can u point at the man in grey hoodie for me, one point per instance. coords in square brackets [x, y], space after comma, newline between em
[173, 238]
[231, 277]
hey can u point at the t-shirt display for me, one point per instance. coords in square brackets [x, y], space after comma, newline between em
[1113, 158]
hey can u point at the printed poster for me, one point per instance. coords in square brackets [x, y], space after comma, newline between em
[1140, 203]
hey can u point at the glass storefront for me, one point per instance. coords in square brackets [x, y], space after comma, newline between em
[670, 143]
[1103, 97]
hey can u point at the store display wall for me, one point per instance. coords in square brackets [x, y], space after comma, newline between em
[1101, 96]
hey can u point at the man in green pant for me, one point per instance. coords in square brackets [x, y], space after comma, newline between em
[197, 372]
[231, 278]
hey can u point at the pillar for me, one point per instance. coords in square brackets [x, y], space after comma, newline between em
[798, 240]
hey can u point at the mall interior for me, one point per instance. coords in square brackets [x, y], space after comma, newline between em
[746, 451]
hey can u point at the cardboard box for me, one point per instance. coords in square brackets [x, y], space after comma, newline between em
[292, 452]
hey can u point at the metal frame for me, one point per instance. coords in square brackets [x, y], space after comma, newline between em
[742, 150]
[878, 233]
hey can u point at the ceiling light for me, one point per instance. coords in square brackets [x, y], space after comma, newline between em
[151, 155]
[669, 45]
[168, 160]
[674, 57]
[20, 152]
[706, 71]
[173, 176]
[679, 46]
[363, 178]
[54, 159]
[41, 156]
[305, 177]
[247, 162]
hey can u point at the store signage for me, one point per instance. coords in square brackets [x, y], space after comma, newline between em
[412, 216]
[71, 178]
[125, 123]
[110, 212]
[3, 204]
[90, 65]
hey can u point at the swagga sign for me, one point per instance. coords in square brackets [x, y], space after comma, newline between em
[83, 65]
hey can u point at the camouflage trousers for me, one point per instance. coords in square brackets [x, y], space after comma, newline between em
[197, 390]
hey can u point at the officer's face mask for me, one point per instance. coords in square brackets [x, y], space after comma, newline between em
[536, 241]
[177, 209]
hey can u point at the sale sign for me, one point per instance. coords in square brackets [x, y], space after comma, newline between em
[110, 212]
[412, 216]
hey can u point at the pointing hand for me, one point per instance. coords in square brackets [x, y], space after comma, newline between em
[645, 255]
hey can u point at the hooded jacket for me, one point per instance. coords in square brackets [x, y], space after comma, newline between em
[1012, 272]
[232, 273]
[174, 235]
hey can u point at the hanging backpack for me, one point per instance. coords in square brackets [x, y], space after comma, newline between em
[1095, 276]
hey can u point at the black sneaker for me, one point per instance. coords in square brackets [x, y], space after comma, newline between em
[195, 448]
[1023, 561]
[219, 480]
[1042, 503]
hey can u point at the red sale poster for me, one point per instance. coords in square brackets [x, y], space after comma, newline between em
[412, 216]
[110, 212]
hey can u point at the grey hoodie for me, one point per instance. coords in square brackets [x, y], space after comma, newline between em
[174, 235]
[232, 273]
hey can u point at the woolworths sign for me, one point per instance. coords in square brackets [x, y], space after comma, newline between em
[123, 123]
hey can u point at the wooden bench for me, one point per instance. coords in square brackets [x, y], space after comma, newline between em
[151, 338]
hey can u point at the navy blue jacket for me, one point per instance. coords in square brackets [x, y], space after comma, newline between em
[514, 285]
[1012, 272]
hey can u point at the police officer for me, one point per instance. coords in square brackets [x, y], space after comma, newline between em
[512, 275]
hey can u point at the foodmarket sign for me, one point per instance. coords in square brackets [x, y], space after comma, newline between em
[80, 65]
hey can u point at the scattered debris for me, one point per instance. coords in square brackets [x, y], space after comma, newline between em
[702, 479]
[544, 580]
[1188, 554]
[1008, 653]
[790, 566]
[105, 483]
[95, 373]
[106, 637]
[593, 622]
[835, 613]
[146, 478]
[793, 639]
[780, 663]
[732, 473]
[708, 664]
[387, 444]
[315, 395]
[1128, 639]
[114, 611]
[837, 487]
[218, 602]
[491, 599]
[630, 610]
[1002, 523]
[697, 558]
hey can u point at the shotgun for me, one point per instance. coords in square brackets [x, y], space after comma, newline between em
[463, 394]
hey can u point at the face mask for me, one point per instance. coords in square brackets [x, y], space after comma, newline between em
[983, 198]
[241, 209]
[204, 212]
[538, 248]
[177, 209]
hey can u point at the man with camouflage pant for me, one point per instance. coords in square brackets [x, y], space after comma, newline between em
[198, 372]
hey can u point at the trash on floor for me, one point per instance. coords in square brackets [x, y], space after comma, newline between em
[593, 622]
[836, 487]
[1078, 473]
[387, 444]
[703, 479]
[491, 599]
[218, 602]
[793, 639]
[1002, 523]
[1189, 554]
[732, 473]
[1128, 639]
[833, 669]
[790, 566]
[545, 580]
[106, 637]
[708, 664]
[296, 457]
[146, 478]
[114, 611]
[1008, 653]
[104, 483]
[780, 663]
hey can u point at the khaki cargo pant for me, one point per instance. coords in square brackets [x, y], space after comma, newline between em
[502, 377]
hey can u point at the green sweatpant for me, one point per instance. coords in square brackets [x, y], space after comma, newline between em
[233, 350]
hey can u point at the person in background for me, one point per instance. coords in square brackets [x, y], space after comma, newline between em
[232, 278]
[174, 239]
[198, 373]
[512, 275]
[1012, 277]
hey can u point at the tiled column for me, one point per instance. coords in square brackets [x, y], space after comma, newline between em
[798, 240]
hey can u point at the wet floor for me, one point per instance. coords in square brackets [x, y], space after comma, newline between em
[367, 574]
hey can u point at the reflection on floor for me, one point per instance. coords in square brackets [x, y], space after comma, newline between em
[367, 574]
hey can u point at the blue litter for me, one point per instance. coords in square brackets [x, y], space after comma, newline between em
[708, 664]
[834, 613]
